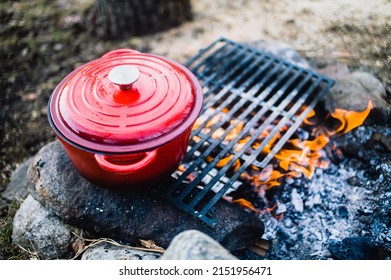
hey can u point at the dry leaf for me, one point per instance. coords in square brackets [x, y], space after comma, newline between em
[78, 245]
[150, 244]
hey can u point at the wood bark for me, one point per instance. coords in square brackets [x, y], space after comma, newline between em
[115, 19]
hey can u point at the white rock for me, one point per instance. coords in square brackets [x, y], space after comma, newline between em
[195, 245]
[297, 201]
[40, 231]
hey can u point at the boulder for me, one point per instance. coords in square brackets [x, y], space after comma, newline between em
[128, 216]
[17, 188]
[37, 230]
[195, 245]
[353, 91]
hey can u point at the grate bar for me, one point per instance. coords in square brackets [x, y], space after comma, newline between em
[236, 93]
[264, 143]
[236, 156]
[228, 63]
[218, 124]
[245, 165]
[230, 80]
[243, 132]
[293, 128]
[241, 85]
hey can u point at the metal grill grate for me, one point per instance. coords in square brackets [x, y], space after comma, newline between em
[247, 92]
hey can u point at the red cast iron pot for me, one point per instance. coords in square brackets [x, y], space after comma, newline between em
[125, 119]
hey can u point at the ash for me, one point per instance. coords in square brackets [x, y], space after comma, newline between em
[349, 199]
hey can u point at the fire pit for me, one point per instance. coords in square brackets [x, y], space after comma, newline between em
[251, 100]
[263, 142]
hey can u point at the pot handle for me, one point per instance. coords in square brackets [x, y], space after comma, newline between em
[104, 163]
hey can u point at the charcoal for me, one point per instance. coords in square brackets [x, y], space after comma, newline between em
[132, 215]
[358, 248]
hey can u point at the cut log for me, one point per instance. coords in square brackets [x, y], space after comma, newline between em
[128, 216]
[120, 18]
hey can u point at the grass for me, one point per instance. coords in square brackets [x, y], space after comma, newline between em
[8, 251]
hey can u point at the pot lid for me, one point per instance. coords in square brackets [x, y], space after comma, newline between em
[125, 101]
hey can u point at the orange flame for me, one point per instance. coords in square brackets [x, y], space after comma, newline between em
[297, 158]
[245, 204]
[307, 155]
[248, 205]
[350, 119]
[307, 118]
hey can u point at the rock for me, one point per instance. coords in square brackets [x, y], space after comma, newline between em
[195, 245]
[297, 201]
[335, 71]
[107, 251]
[358, 248]
[280, 50]
[39, 231]
[17, 188]
[128, 216]
[353, 92]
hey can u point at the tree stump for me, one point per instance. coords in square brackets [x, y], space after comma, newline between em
[115, 19]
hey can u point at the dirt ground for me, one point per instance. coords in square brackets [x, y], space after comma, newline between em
[41, 41]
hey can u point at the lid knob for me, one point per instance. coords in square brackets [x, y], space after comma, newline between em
[124, 76]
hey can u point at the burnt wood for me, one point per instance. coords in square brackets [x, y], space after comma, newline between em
[128, 216]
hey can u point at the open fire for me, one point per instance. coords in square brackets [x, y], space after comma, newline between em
[299, 156]
[253, 104]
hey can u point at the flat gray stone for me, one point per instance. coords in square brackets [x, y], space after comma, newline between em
[353, 92]
[195, 245]
[130, 216]
[17, 188]
[39, 231]
[107, 251]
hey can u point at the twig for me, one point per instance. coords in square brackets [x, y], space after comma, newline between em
[260, 248]
[110, 241]
[32, 254]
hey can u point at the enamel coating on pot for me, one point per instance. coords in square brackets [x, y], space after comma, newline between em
[127, 160]
[94, 113]
[168, 158]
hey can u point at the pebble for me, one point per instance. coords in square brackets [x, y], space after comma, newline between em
[297, 201]
[281, 209]
[288, 223]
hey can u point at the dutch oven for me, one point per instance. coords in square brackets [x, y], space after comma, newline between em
[125, 119]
